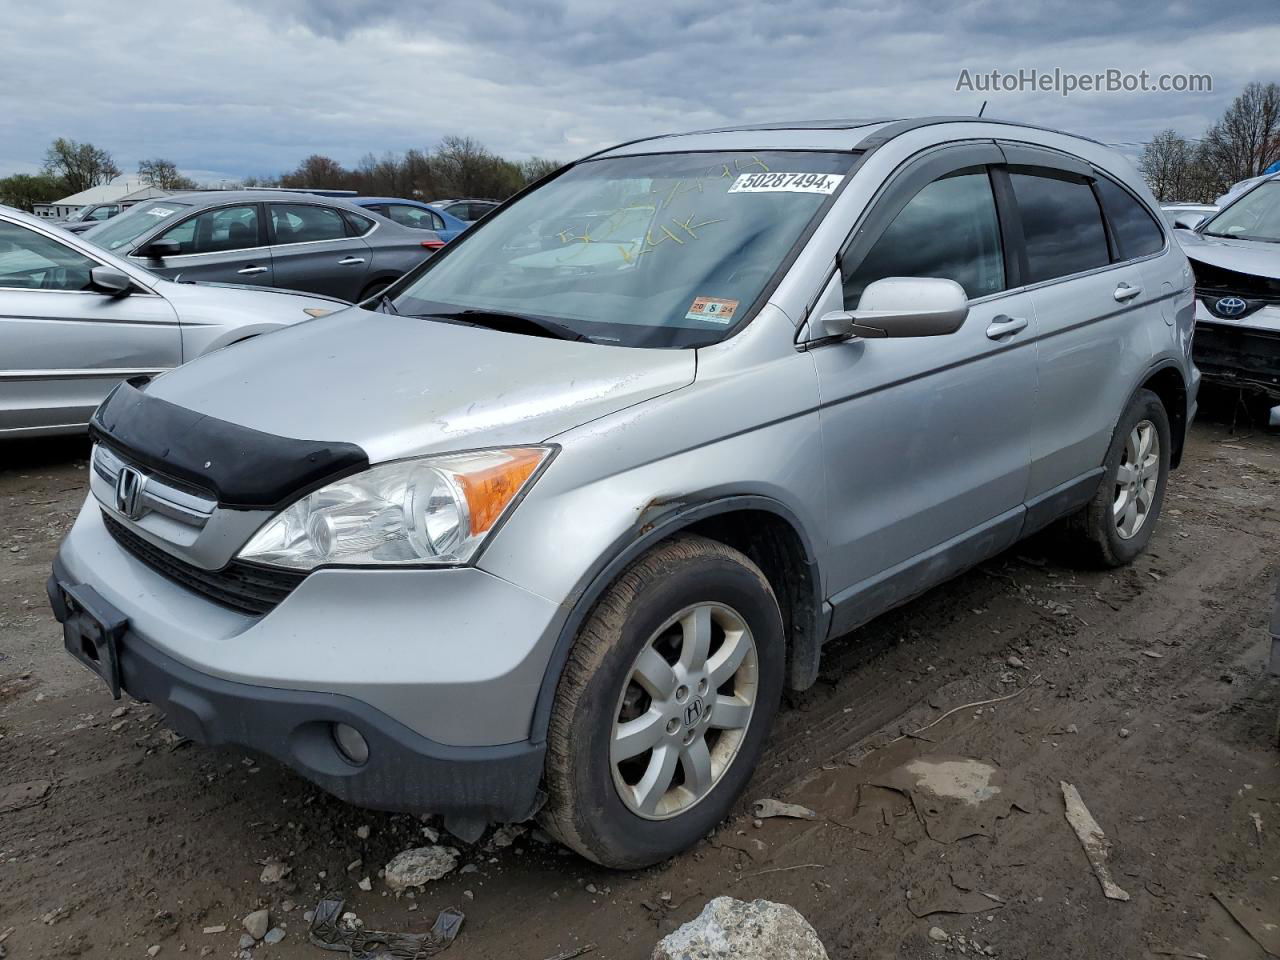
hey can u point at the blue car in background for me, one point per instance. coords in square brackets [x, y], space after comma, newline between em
[414, 214]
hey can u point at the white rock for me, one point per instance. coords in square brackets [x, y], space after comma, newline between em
[275, 871]
[362, 832]
[938, 935]
[154, 950]
[257, 923]
[728, 928]
[365, 884]
[418, 866]
[274, 935]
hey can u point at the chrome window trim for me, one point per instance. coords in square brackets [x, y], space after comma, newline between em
[146, 292]
[322, 206]
[75, 373]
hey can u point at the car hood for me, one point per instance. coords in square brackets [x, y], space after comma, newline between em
[402, 386]
[1244, 256]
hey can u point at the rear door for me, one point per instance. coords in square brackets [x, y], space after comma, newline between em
[1091, 306]
[63, 346]
[313, 248]
[222, 244]
[927, 440]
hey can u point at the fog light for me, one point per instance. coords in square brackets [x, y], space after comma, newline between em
[351, 743]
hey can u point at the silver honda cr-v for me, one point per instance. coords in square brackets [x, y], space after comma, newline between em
[548, 529]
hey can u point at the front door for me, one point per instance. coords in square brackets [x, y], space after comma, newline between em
[926, 440]
[63, 345]
[221, 245]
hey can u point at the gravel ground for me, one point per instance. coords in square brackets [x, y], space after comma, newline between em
[1145, 688]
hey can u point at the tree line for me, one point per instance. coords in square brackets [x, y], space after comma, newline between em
[457, 167]
[1241, 144]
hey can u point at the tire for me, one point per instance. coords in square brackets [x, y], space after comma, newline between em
[599, 804]
[1097, 531]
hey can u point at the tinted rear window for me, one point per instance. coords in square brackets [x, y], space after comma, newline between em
[1061, 224]
[1137, 233]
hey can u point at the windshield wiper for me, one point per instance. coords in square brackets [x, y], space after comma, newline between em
[384, 304]
[513, 323]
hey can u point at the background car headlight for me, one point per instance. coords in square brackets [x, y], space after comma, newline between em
[432, 510]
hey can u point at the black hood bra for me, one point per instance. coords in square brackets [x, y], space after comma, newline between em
[245, 469]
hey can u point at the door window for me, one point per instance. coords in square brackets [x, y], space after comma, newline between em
[1061, 223]
[227, 228]
[949, 230]
[357, 225]
[414, 217]
[1136, 232]
[303, 223]
[32, 261]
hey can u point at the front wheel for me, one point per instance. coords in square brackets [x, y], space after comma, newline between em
[1117, 524]
[664, 705]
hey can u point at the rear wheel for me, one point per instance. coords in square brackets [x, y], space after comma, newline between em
[664, 705]
[1117, 524]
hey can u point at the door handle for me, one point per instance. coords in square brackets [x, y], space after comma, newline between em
[1003, 326]
[1126, 292]
[251, 270]
[347, 261]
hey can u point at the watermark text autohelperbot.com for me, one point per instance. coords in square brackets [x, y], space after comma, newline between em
[1065, 82]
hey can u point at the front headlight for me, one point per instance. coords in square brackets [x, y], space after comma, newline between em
[428, 510]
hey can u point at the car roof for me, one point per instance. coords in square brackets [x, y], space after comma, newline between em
[847, 134]
[365, 201]
[210, 198]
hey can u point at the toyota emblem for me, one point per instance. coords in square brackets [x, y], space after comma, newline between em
[129, 486]
[1230, 307]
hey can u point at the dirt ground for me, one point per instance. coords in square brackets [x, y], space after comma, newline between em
[1144, 687]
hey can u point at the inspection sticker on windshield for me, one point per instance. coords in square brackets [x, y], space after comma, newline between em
[786, 183]
[159, 211]
[712, 310]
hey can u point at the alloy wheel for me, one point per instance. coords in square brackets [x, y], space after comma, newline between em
[1136, 479]
[684, 710]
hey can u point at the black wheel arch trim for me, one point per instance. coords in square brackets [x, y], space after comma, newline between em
[660, 521]
[1179, 420]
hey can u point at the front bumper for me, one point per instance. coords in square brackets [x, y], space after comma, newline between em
[1243, 354]
[405, 771]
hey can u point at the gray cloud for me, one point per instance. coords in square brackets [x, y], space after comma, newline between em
[237, 88]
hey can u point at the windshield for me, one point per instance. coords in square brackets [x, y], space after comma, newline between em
[121, 231]
[1255, 216]
[663, 250]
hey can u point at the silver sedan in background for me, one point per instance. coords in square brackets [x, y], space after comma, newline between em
[75, 321]
[267, 238]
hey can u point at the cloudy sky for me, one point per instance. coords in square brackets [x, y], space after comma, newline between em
[228, 88]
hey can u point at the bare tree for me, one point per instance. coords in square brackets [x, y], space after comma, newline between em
[1166, 165]
[535, 168]
[317, 171]
[164, 174]
[80, 165]
[1247, 139]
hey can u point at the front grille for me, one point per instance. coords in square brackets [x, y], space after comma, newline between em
[240, 586]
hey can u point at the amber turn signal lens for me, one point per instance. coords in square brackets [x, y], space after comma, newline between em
[491, 489]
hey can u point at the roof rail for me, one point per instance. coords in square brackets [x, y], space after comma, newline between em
[892, 127]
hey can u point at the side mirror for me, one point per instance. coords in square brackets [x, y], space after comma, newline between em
[110, 281]
[162, 248]
[902, 307]
[1189, 221]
